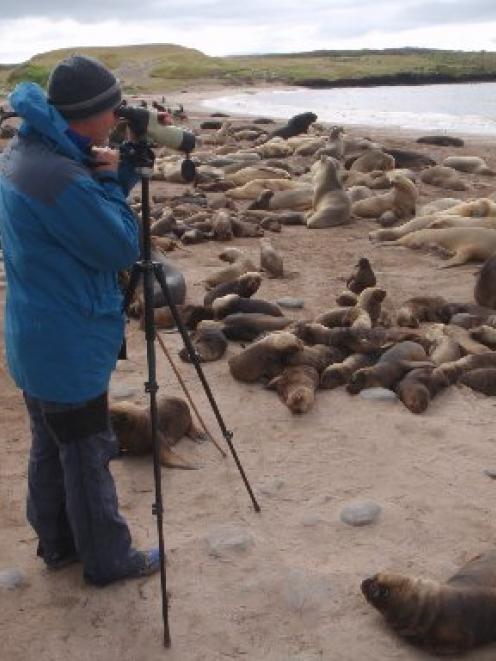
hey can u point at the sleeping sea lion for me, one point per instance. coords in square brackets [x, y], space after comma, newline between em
[132, 427]
[245, 285]
[482, 380]
[296, 386]
[209, 343]
[264, 358]
[245, 327]
[419, 386]
[422, 308]
[447, 618]
[233, 303]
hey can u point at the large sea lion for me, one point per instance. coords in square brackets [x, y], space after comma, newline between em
[264, 358]
[447, 618]
[296, 386]
[390, 368]
[405, 158]
[298, 124]
[361, 277]
[331, 205]
[413, 225]
[401, 200]
[485, 285]
[471, 164]
[474, 243]
[132, 427]
[244, 285]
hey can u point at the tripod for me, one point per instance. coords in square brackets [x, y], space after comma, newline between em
[143, 158]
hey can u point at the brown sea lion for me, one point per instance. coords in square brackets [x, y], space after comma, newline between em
[468, 343]
[265, 357]
[401, 200]
[132, 427]
[355, 317]
[362, 276]
[447, 618]
[390, 368]
[222, 227]
[340, 373]
[453, 371]
[370, 300]
[482, 207]
[245, 285]
[233, 303]
[485, 335]
[295, 126]
[319, 357]
[346, 299]
[443, 177]
[208, 341]
[296, 386]
[191, 315]
[331, 204]
[241, 229]
[246, 174]
[446, 350]
[422, 308]
[376, 180]
[391, 234]
[270, 260]
[485, 285]
[247, 327]
[405, 158]
[471, 164]
[419, 386]
[482, 380]
[373, 159]
[229, 273]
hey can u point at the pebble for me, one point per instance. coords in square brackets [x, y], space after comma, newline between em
[11, 579]
[271, 488]
[310, 520]
[379, 394]
[227, 539]
[305, 590]
[360, 514]
[290, 302]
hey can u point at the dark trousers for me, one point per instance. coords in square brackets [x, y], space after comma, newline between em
[72, 500]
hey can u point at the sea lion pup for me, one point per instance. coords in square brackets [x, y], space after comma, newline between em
[132, 427]
[339, 374]
[264, 358]
[482, 380]
[422, 308]
[390, 368]
[485, 285]
[331, 204]
[250, 173]
[353, 317]
[240, 266]
[443, 177]
[231, 255]
[447, 618]
[270, 260]
[413, 225]
[401, 200]
[441, 141]
[245, 286]
[245, 327]
[334, 146]
[373, 159]
[470, 164]
[242, 229]
[221, 226]
[370, 300]
[296, 386]
[419, 386]
[297, 124]
[473, 243]
[208, 341]
[361, 277]
[232, 303]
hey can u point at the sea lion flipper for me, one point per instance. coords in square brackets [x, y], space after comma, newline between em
[272, 384]
[170, 459]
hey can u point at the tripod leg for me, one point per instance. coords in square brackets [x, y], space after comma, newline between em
[159, 274]
[151, 387]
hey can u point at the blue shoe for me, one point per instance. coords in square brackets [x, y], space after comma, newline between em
[151, 563]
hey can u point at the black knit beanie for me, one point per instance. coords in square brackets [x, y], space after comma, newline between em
[80, 86]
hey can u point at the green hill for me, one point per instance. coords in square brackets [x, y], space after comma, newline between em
[164, 67]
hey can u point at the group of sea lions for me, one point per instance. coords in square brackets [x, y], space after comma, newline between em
[251, 181]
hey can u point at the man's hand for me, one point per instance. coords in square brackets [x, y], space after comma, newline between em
[107, 159]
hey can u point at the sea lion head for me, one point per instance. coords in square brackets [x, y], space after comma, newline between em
[416, 397]
[387, 592]
[249, 283]
[284, 342]
[300, 400]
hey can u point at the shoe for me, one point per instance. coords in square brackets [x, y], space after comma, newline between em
[58, 559]
[150, 563]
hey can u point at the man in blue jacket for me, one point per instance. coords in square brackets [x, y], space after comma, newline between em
[66, 231]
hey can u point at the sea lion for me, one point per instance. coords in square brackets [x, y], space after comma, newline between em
[221, 226]
[445, 350]
[447, 618]
[445, 222]
[485, 285]
[474, 243]
[232, 272]
[361, 277]
[319, 357]
[353, 317]
[373, 159]
[481, 207]
[441, 141]
[271, 224]
[419, 387]
[482, 380]
[208, 341]
[422, 308]
[253, 188]
[470, 164]
[231, 255]
[241, 229]
[250, 173]
[246, 327]
[484, 334]
[401, 200]
[270, 260]
[405, 158]
[274, 148]
[375, 180]
[390, 368]
[413, 225]
[346, 299]
[244, 285]
[163, 225]
[264, 357]
[296, 386]
[132, 427]
[232, 303]
[331, 205]
[453, 371]
[297, 124]
[370, 301]
[443, 177]
[334, 146]
[339, 374]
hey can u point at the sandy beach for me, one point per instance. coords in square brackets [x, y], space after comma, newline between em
[289, 588]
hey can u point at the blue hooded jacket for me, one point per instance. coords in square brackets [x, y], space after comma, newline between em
[66, 231]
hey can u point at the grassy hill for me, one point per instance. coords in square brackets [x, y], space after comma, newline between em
[164, 67]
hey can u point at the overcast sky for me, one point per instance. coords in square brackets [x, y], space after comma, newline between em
[224, 27]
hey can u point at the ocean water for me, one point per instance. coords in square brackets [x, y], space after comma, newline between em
[468, 108]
